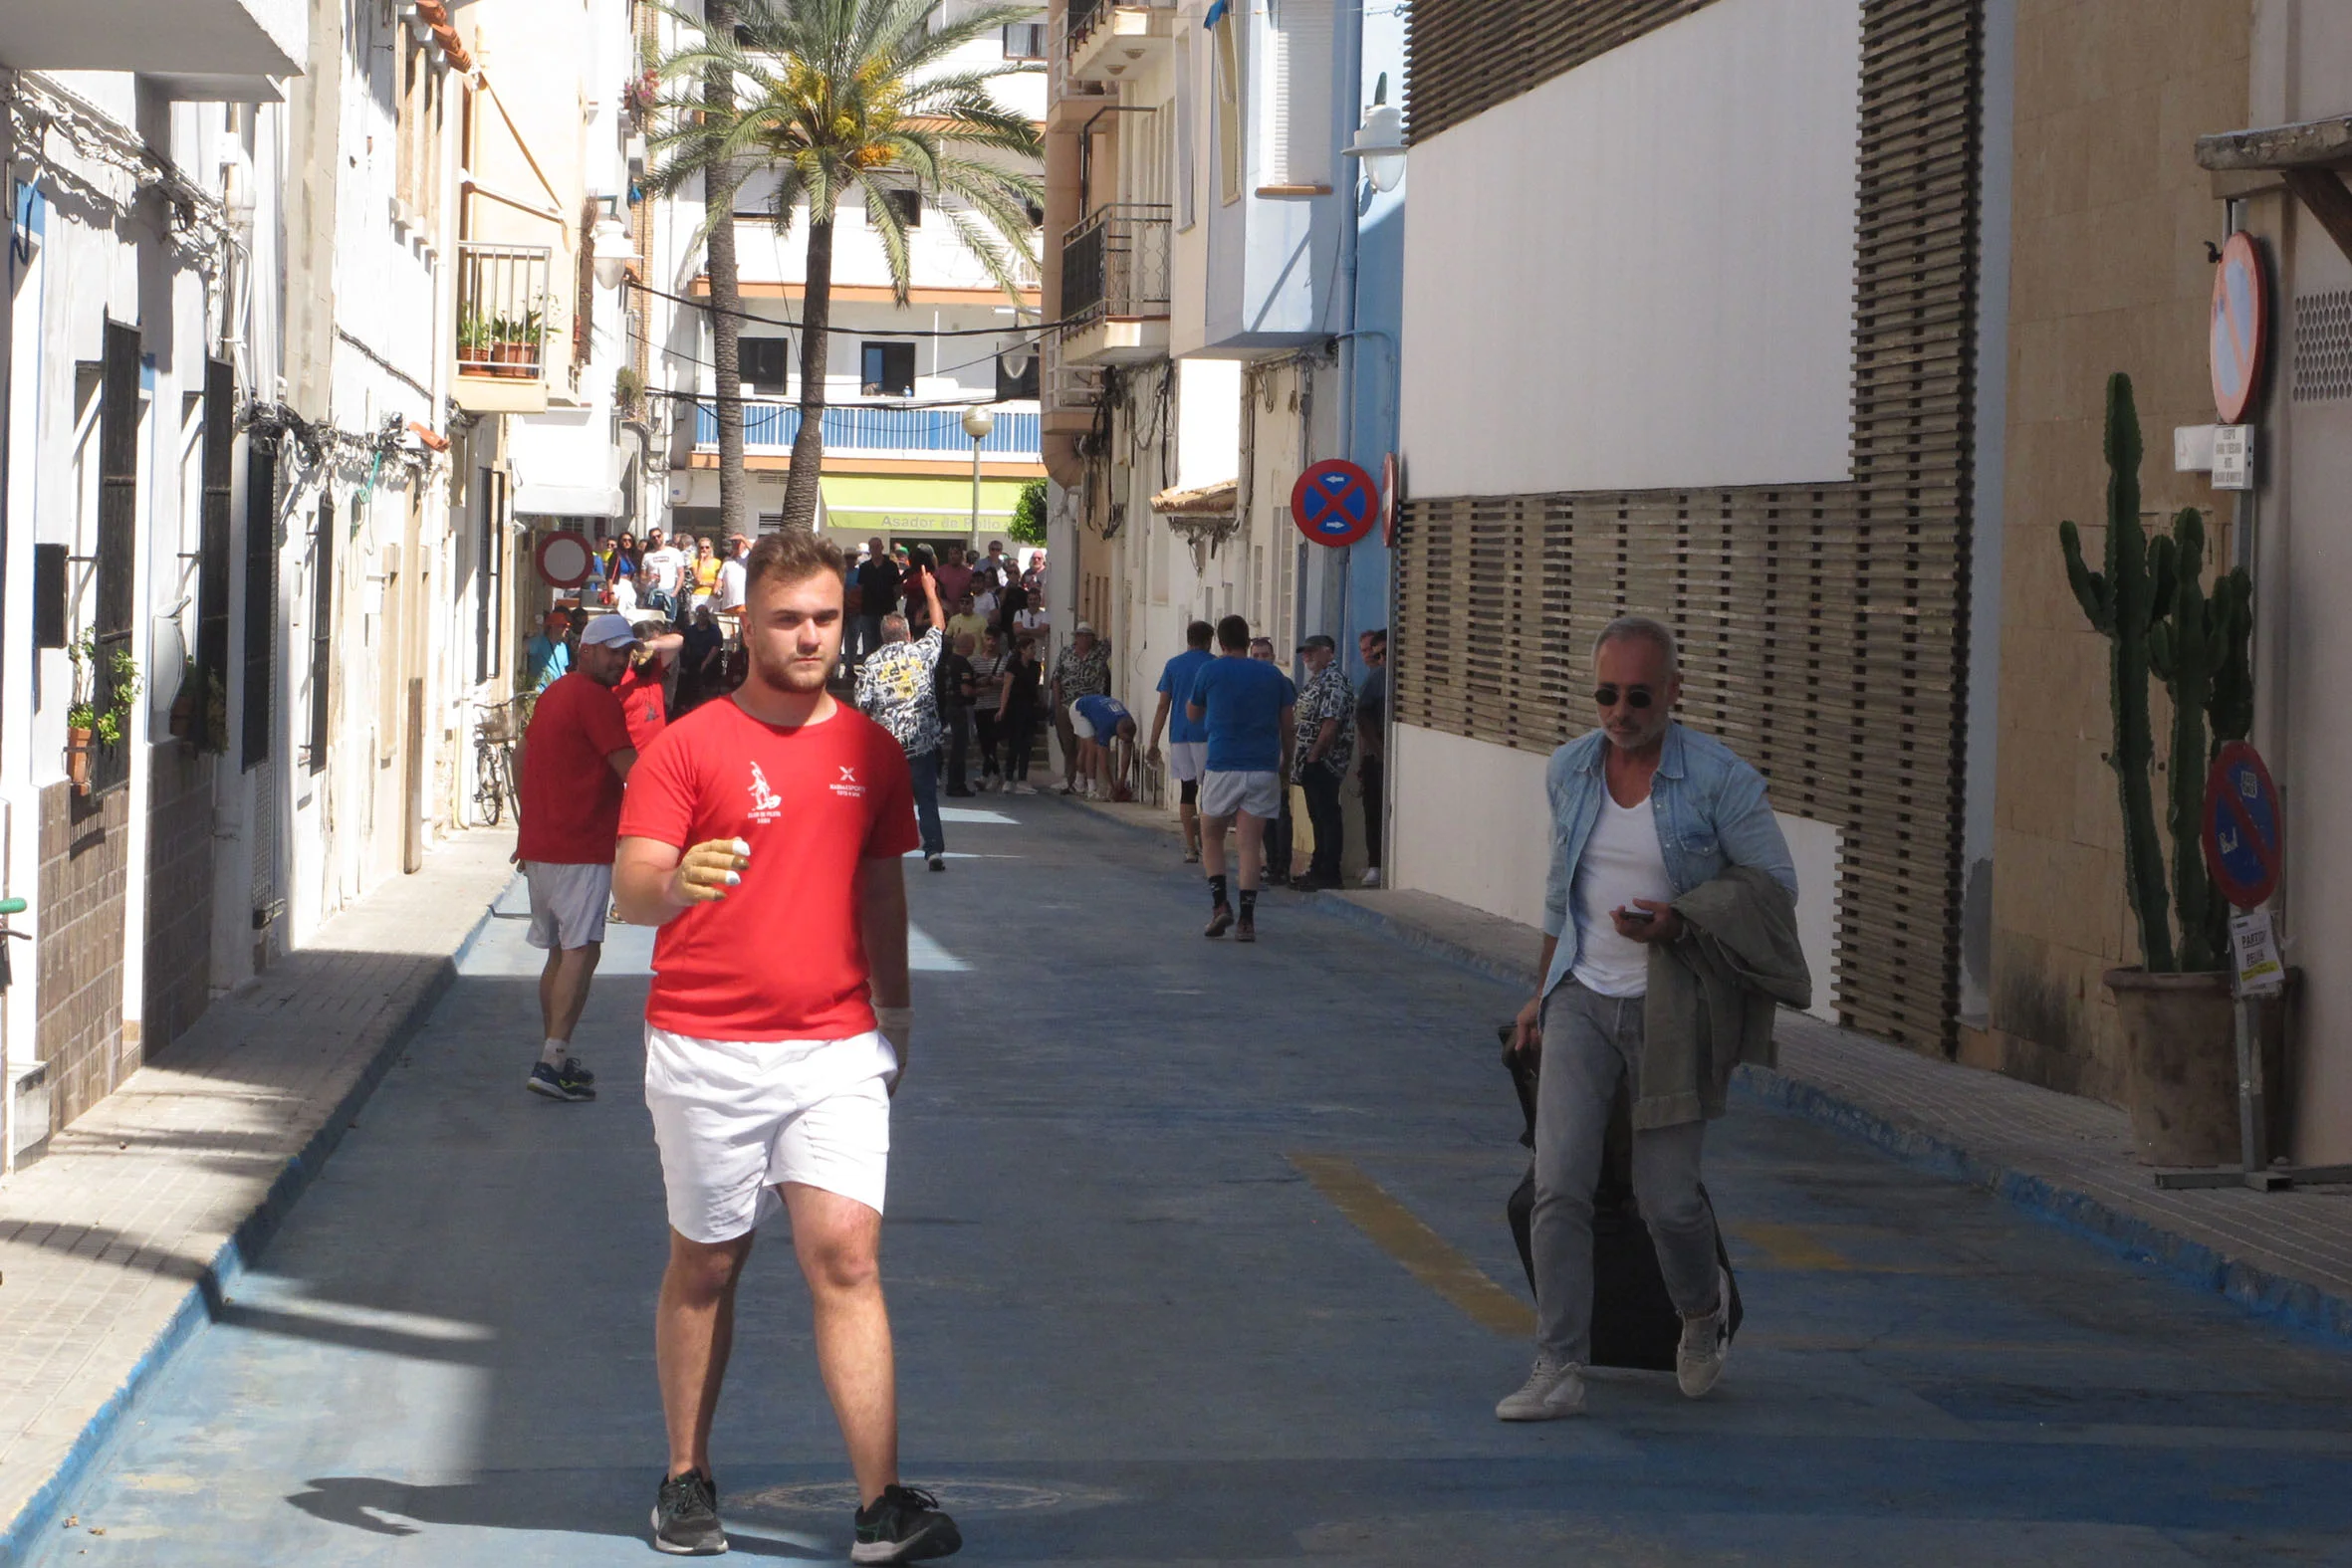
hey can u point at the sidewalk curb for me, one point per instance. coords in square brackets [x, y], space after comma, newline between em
[209, 1292]
[2259, 1291]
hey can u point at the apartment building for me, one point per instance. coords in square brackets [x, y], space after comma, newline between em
[1226, 282]
[140, 642]
[899, 460]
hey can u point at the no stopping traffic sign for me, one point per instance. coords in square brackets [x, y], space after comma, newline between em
[2242, 833]
[1335, 503]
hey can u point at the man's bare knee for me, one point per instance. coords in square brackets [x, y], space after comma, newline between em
[705, 1271]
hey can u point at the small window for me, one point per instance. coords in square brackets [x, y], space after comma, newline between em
[889, 370]
[763, 363]
[1024, 41]
[907, 203]
[1228, 73]
[323, 629]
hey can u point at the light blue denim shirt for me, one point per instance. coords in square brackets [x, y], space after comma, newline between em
[1710, 810]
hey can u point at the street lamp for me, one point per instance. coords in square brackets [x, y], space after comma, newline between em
[1380, 140]
[609, 242]
[978, 424]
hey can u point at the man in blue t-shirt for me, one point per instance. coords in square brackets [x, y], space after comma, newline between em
[1246, 707]
[1188, 744]
[1100, 723]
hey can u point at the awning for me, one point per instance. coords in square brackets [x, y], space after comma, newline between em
[914, 504]
[566, 465]
[2310, 159]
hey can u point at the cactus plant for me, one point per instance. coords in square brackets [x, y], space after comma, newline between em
[2150, 604]
[2123, 601]
[2198, 652]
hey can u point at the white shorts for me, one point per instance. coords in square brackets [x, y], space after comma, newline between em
[1188, 760]
[737, 1119]
[568, 903]
[1084, 728]
[1259, 795]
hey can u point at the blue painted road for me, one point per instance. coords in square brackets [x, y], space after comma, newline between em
[1132, 1330]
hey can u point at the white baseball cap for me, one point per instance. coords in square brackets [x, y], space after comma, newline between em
[609, 631]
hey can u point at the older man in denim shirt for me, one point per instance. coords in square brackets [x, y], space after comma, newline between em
[1643, 811]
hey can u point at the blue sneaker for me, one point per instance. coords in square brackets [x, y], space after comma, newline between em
[570, 1081]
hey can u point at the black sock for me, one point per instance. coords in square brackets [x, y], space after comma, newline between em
[1217, 890]
[1249, 902]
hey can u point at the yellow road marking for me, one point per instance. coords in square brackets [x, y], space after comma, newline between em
[1428, 1256]
[1796, 1248]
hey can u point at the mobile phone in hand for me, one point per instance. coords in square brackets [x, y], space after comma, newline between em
[1640, 917]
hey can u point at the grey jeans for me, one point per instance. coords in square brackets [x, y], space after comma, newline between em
[1588, 1042]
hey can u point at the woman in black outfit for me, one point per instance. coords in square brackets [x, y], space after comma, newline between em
[1017, 726]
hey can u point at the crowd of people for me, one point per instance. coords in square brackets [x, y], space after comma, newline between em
[786, 812]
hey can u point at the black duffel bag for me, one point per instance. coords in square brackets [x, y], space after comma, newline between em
[1634, 1321]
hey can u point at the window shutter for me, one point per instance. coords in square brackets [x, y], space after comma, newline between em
[212, 549]
[1299, 81]
[261, 600]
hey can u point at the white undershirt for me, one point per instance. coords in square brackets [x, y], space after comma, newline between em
[1622, 863]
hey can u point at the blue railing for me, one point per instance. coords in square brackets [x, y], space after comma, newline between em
[855, 428]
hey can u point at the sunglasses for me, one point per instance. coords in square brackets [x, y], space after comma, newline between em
[1634, 696]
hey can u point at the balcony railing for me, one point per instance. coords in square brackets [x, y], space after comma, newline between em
[502, 303]
[1083, 17]
[1116, 263]
[860, 428]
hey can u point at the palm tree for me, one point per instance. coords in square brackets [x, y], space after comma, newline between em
[834, 97]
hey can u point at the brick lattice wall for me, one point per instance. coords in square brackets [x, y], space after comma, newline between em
[84, 865]
[180, 894]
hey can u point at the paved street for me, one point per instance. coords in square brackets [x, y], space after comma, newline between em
[1196, 1255]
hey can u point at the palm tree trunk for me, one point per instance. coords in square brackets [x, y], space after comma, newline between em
[817, 312]
[718, 212]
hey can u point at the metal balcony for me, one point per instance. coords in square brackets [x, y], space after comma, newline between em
[502, 327]
[235, 49]
[875, 431]
[1105, 40]
[1115, 283]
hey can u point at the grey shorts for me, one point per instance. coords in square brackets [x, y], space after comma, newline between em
[568, 903]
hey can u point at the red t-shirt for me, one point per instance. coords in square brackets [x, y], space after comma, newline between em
[643, 703]
[781, 957]
[570, 795]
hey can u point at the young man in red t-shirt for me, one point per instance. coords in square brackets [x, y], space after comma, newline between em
[764, 833]
[576, 755]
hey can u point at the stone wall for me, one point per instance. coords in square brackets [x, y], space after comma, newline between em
[180, 894]
[79, 957]
[2108, 273]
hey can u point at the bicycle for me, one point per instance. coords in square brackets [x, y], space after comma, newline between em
[494, 761]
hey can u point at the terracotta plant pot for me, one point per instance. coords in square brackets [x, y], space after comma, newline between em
[78, 760]
[512, 361]
[2179, 1046]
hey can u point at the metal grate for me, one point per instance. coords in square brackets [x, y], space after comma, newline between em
[1825, 628]
[2323, 346]
[1464, 56]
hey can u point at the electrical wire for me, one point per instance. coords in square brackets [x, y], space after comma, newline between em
[851, 331]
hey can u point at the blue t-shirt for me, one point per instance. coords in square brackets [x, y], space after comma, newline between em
[1244, 701]
[1177, 681]
[1105, 714]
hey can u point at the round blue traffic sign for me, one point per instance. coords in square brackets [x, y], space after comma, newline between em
[2243, 831]
[1335, 503]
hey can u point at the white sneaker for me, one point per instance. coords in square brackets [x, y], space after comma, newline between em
[1553, 1388]
[1371, 877]
[1705, 1341]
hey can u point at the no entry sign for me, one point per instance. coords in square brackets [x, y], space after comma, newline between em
[1335, 503]
[2243, 836]
[2241, 328]
[565, 558]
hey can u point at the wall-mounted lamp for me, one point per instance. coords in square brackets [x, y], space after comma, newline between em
[609, 242]
[1380, 140]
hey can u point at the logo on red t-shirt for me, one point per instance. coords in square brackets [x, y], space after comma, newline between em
[765, 802]
[848, 784]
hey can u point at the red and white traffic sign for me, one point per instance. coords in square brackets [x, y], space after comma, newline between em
[1335, 503]
[2239, 329]
[565, 559]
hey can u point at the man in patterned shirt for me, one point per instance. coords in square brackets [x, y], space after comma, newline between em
[1323, 742]
[1084, 670]
[895, 689]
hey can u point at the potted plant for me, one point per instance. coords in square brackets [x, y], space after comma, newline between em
[2149, 601]
[474, 343]
[88, 723]
[187, 713]
[507, 352]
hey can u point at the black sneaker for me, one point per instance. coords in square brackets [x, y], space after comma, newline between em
[905, 1525]
[686, 1517]
[568, 1082]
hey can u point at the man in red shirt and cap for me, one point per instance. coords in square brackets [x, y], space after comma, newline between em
[576, 755]
[765, 834]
